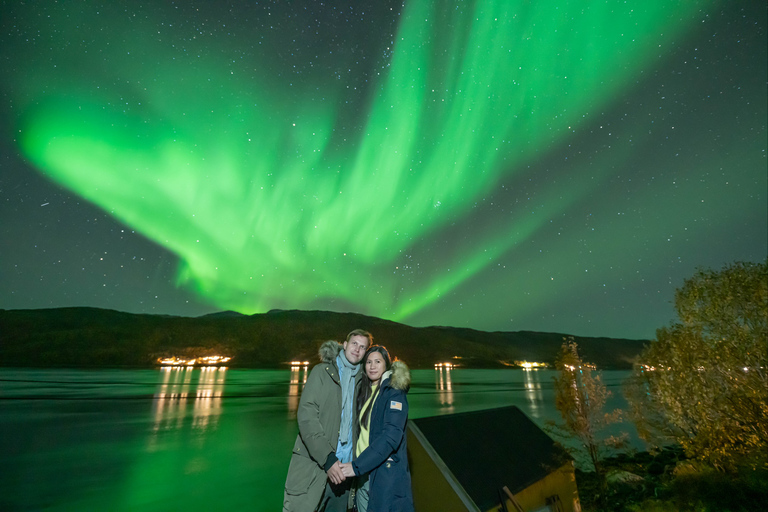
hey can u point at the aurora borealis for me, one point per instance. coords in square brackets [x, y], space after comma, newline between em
[500, 165]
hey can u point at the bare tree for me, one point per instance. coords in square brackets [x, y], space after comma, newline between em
[580, 396]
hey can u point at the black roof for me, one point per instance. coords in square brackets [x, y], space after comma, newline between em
[486, 450]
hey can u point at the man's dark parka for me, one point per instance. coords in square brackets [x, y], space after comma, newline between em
[386, 458]
[319, 417]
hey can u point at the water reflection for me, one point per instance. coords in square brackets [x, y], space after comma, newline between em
[299, 373]
[444, 384]
[204, 387]
[108, 415]
[533, 391]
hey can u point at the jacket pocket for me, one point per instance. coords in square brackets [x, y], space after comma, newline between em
[404, 504]
[302, 472]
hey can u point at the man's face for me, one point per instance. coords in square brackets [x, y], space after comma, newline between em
[355, 348]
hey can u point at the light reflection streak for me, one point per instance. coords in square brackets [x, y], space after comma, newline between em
[533, 391]
[445, 386]
[170, 402]
[208, 401]
[299, 373]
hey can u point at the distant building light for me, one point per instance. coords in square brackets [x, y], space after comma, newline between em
[530, 365]
[203, 361]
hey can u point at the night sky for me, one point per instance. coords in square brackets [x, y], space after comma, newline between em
[501, 165]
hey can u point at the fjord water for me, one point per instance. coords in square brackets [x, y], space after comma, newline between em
[199, 438]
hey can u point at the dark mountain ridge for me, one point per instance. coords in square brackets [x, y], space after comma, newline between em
[91, 337]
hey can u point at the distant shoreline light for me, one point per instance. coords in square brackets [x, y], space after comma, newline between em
[530, 365]
[202, 361]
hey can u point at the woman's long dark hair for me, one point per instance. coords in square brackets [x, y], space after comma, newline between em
[365, 384]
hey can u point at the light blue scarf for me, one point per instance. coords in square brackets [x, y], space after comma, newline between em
[347, 373]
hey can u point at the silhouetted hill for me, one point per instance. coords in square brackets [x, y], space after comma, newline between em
[102, 337]
[224, 314]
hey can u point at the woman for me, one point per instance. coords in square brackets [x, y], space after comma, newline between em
[381, 459]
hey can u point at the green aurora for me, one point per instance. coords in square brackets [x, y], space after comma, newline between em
[286, 191]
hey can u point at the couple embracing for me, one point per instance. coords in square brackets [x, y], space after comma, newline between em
[352, 417]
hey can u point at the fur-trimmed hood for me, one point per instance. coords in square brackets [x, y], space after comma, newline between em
[329, 350]
[398, 376]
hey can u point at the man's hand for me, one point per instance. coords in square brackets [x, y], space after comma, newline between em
[335, 474]
[346, 468]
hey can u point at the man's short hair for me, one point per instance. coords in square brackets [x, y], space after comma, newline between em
[361, 332]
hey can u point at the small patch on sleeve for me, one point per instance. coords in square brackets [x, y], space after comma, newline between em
[398, 406]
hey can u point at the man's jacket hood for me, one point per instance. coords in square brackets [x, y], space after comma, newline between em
[329, 350]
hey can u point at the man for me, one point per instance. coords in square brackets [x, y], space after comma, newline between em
[326, 417]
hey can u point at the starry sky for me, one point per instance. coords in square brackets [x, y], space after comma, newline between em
[501, 165]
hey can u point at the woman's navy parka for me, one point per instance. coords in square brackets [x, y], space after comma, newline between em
[386, 458]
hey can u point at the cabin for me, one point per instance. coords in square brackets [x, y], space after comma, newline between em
[489, 460]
